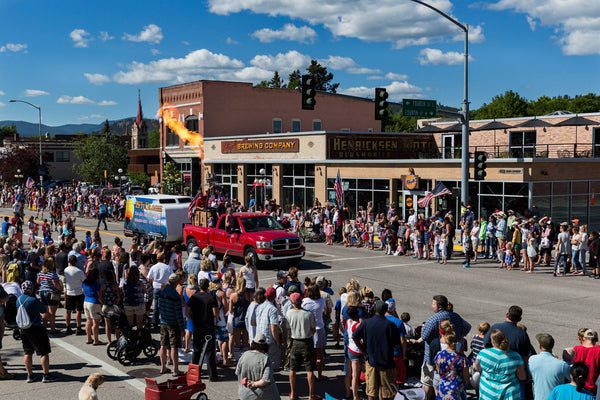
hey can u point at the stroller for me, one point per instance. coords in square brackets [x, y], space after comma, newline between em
[131, 342]
[10, 316]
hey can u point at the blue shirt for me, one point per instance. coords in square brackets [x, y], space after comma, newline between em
[91, 292]
[400, 325]
[5, 226]
[34, 308]
[547, 373]
[570, 392]
[379, 337]
[81, 259]
[518, 340]
[431, 332]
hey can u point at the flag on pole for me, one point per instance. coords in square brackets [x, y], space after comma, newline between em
[192, 206]
[439, 190]
[339, 189]
[30, 182]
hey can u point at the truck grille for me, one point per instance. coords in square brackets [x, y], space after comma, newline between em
[291, 243]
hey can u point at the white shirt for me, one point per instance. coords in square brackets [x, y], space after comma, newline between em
[74, 278]
[159, 274]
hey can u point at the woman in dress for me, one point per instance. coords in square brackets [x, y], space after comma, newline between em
[501, 369]
[453, 370]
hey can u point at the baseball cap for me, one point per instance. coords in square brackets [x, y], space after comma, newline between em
[174, 278]
[545, 340]
[282, 274]
[391, 305]
[259, 338]
[320, 281]
[575, 221]
[590, 334]
[26, 286]
[270, 292]
[296, 298]
[293, 289]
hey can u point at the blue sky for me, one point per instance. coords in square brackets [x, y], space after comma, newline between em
[84, 61]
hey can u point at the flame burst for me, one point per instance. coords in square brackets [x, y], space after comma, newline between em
[194, 139]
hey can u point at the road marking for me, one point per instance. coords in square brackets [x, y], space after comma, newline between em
[319, 254]
[330, 271]
[90, 359]
[355, 258]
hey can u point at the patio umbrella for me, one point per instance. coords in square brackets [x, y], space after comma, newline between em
[493, 126]
[577, 121]
[453, 128]
[428, 129]
[534, 123]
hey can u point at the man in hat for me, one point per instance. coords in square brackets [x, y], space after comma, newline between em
[589, 353]
[547, 371]
[267, 322]
[302, 353]
[35, 338]
[202, 309]
[171, 324]
[279, 285]
[192, 264]
[377, 337]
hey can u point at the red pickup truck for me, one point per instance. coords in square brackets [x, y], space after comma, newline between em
[258, 235]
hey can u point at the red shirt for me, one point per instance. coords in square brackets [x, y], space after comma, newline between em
[591, 357]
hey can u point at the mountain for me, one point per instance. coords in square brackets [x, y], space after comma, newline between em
[27, 129]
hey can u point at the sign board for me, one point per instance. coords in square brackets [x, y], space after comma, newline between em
[419, 108]
[260, 146]
[373, 146]
[411, 182]
[510, 171]
[409, 201]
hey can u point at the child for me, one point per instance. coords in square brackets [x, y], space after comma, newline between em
[443, 248]
[389, 238]
[476, 347]
[337, 329]
[347, 233]
[467, 248]
[436, 245]
[328, 230]
[400, 248]
[501, 254]
[371, 234]
[405, 318]
[509, 257]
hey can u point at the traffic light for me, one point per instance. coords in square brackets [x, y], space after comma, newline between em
[308, 92]
[480, 165]
[381, 104]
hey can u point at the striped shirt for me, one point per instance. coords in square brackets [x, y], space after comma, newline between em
[46, 281]
[499, 374]
[169, 303]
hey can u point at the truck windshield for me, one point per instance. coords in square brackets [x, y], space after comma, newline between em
[255, 224]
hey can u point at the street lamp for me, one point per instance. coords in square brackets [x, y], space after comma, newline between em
[120, 178]
[464, 198]
[40, 128]
[19, 176]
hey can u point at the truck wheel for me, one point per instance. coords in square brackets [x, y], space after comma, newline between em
[190, 245]
[295, 262]
[250, 251]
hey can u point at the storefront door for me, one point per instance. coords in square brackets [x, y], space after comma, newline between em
[408, 200]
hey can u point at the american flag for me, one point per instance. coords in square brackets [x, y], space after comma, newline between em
[339, 190]
[192, 206]
[30, 182]
[438, 190]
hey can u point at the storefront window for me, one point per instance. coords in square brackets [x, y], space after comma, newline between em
[298, 186]
[226, 176]
[358, 193]
[259, 185]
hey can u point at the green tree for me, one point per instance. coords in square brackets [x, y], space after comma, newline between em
[585, 104]
[172, 180]
[153, 139]
[276, 82]
[139, 178]
[7, 131]
[106, 129]
[295, 80]
[322, 77]
[398, 123]
[507, 105]
[97, 154]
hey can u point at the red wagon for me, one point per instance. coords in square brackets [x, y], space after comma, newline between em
[180, 388]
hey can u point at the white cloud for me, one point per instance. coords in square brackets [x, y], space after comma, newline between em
[436, 56]
[185, 42]
[303, 34]
[286, 62]
[231, 41]
[64, 99]
[97, 79]
[93, 116]
[104, 36]
[576, 22]
[34, 93]
[347, 64]
[14, 47]
[2, 104]
[401, 22]
[396, 90]
[151, 34]
[389, 76]
[155, 52]
[532, 23]
[80, 37]
[2, 93]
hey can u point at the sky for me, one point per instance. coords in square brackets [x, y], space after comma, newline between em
[83, 61]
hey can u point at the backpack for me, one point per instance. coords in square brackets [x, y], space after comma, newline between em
[23, 320]
[12, 273]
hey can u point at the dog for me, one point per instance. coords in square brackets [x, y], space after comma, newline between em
[88, 390]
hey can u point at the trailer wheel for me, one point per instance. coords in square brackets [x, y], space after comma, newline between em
[202, 396]
[250, 251]
[190, 245]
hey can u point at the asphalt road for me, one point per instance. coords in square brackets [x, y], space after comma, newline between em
[484, 292]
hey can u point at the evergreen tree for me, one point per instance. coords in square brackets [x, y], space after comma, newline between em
[295, 80]
[322, 77]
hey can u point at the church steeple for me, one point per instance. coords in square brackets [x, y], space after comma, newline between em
[139, 130]
[139, 120]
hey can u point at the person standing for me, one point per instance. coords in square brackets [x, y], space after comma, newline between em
[589, 353]
[50, 289]
[377, 337]
[35, 338]
[255, 373]
[563, 248]
[202, 309]
[574, 390]
[171, 324]
[74, 296]
[158, 275]
[192, 264]
[302, 353]
[400, 350]
[4, 374]
[546, 371]
[102, 214]
[267, 323]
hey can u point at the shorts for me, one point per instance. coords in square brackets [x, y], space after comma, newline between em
[170, 336]
[352, 356]
[379, 379]
[91, 310]
[302, 353]
[130, 311]
[75, 303]
[106, 308]
[427, 372]
[35, 339]
[320, 338]
[46, 298]
[222, 334]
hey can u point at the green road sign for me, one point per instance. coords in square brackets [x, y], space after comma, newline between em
[419, 108]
